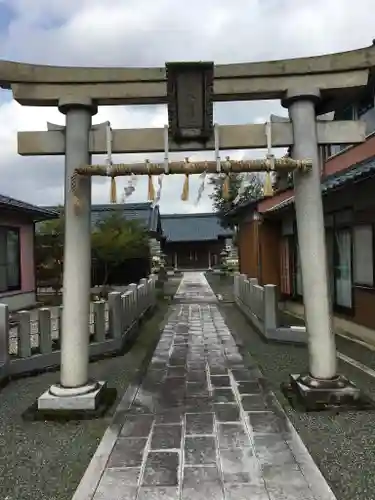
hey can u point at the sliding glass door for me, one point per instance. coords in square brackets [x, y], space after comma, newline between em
[339, 268]
[338, 236]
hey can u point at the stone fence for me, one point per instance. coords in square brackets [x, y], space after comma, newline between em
[260, 305]
[32, 342]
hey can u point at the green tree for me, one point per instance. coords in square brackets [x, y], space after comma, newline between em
[253, 191]
[49, 250]
[115, 239]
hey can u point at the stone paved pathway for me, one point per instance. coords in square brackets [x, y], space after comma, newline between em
[201, 425]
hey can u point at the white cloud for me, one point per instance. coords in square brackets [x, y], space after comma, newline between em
[148, 33]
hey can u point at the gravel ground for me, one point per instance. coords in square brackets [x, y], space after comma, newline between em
[46, 460]
[342, 445]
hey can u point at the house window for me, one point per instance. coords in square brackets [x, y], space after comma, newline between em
[363, 110]
[10, 269]
[348, 113]
[336, 148]
[366, 111]
[369, 118]
[325, 152]
[363, 255]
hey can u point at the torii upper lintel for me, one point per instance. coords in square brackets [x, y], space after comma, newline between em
[18, 72]
[41, 85]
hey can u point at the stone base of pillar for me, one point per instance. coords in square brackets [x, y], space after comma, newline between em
[80, 403]
[317, 395]
[75, 398]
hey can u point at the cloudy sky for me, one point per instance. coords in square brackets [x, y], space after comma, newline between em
[148, 33]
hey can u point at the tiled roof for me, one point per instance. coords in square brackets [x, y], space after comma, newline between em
[282, 204]
[145, 213]
[356, 172]
[37, 213]
[131, 211]
[193, 227]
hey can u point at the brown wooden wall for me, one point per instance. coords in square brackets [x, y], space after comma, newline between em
[364, 307]
[258, 246]
[201, 248]
[269, 237]
[248, 249]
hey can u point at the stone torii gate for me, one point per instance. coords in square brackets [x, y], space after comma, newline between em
[307, 87]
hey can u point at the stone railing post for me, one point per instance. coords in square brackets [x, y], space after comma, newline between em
[141, 298]
[45, 330]
[4, 336]
[242, 292]
[245, 292]
[134, 300]
[236, 284]
[24, 334]
[270, 307]
[151, 290]
[123, 311]
[144, 282]
[252, 293]
[59, 320]
[99, 320]
[127, 316]
[115, 314]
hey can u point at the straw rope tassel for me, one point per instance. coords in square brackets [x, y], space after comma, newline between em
[113, 194]
[225, 191]
[267, 186]
[226, 186]
[151, 189]
[185, 189]
[150, 184]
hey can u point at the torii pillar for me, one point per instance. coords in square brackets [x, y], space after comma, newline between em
[322, 385]
[75, 391]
